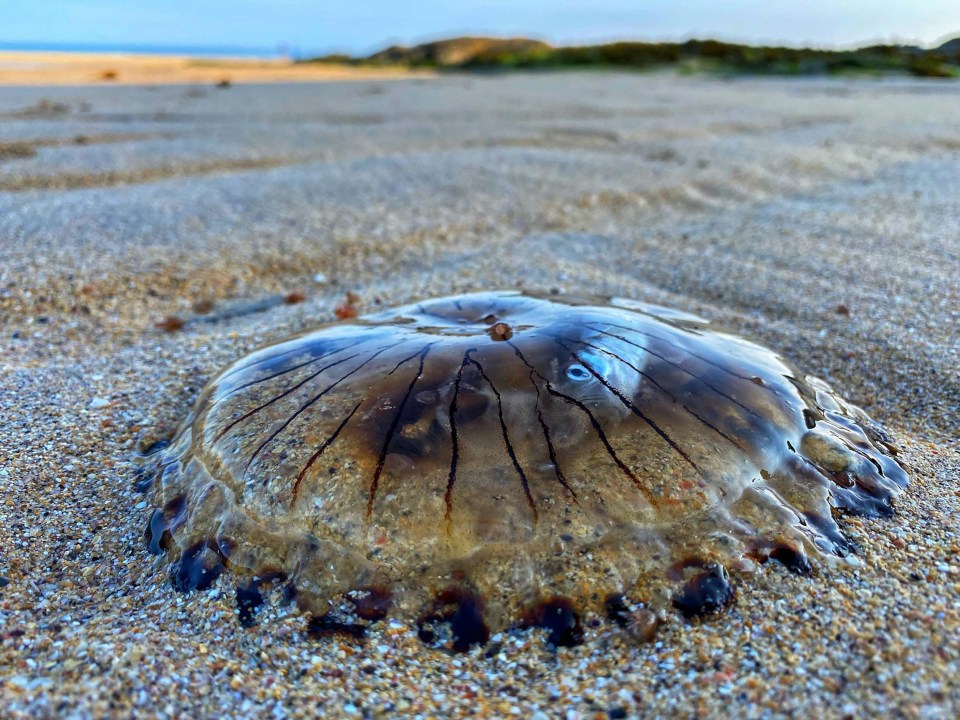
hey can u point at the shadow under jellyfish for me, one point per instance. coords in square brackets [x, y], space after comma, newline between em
[502, 458]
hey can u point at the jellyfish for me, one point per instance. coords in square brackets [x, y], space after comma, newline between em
[497, 459]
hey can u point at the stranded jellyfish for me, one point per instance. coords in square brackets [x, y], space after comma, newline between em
[502, 459]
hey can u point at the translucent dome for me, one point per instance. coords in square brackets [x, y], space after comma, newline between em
[499, 454]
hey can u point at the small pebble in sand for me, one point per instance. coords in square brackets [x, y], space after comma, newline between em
[171, 323]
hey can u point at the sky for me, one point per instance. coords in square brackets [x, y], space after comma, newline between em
[363, 26]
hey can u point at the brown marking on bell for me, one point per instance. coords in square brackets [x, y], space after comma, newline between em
[558, 616]
[500, 331]
[460, 610]
[371, 603]
[249, 599]
[196, 569]
[792, 558]
[705, 593]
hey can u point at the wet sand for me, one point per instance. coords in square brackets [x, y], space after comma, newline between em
[816, 217]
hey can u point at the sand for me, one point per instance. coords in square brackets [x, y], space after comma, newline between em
[816, 217]
[32, 68]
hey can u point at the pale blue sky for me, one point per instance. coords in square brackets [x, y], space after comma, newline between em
[360, 26]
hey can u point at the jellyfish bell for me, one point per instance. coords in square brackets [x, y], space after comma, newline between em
[481, 455]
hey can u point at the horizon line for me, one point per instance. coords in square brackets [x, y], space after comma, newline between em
[281, 49]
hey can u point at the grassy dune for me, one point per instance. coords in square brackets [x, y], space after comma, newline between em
[690, 56]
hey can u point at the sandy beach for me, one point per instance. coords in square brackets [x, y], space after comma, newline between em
[816, 217]
[33, 68]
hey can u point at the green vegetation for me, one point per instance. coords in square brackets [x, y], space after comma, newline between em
[691, 56]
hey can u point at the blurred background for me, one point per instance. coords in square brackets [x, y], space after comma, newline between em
[310, 27]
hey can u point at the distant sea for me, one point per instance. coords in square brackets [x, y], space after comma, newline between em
[136, 49]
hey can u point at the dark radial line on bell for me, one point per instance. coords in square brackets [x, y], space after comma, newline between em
[229, 426]
[660, 387]
[255, 363]
[298, 385]
[679, 367]
[597, 427]
[629, 404]
[270, 357]
[561, 478]
[718, 431]
[310, 402]
[687, 350]
[375, 481]
[407, 359]
[237, 389]
[316, 455]
[454, 445]
[506, 439]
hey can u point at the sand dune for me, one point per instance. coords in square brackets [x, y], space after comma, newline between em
[56, 68]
